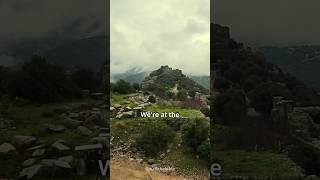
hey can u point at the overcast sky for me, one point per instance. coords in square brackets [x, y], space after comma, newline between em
[270, 22]
[147, 34]
[25, 19]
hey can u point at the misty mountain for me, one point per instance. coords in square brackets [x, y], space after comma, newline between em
[89, 52]
[301, 61]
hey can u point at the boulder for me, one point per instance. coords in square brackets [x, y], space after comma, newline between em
[84, 131]
[93, 119]
[59, 146]
[24, 141]
[72, 122]
[28, 162]
[129, 114]
[74, 115]
[68, 159]
[38, 152]
[117, 106]
[7, 148]
[32, 172]
[55, 128]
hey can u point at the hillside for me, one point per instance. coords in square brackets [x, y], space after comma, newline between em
[170, 82]
[135, 75]
[301, 61]
[258, 115]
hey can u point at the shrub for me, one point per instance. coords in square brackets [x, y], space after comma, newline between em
[154, 138]
[122, 87]
[230, 108]
[262, 96]
[152, 99]
[205, 111]
[194, 132]
[204, 150]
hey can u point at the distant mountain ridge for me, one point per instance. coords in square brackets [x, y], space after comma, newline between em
[89, 52]
[301, 61]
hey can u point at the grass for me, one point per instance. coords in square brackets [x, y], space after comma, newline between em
[261, 164]
[184, 112]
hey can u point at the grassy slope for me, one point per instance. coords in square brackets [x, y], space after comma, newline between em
[250, 163]
[126, 129]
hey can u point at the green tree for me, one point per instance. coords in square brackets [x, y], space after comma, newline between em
[262, 96]
[230, 107]
[122, 87]
[83, 78]
[195, 132]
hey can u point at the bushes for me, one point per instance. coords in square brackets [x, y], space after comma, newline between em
[152, 99]
[40, 81]
[122, 87]
[205, 111]
[230, 108]
[154, 138]
[195, 132]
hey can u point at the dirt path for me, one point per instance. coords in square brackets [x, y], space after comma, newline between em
[123, 169]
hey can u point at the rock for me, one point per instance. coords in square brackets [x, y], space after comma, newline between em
[38, 152]
[88, 147]
[74, 115]
[84, 131]
[30, 172]
[117, 106]
[129, 114]
[72, 122]
[103, 135]
[37, 147]
[112, 109]
[68, 159]
[28, 162]
[128, 108]
[7, 148]
[100, 140]
[55, 128]
[137, 108]
[24, 141]
[60, 147]
[119, 116]
[93, 119]
[54, 162]
[151, 161]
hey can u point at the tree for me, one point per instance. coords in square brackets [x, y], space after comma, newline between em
[136, 86]
[262, 96]
[39, 81]
[230, 107]
[83, 78]
[122, 87]
[195, 132]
